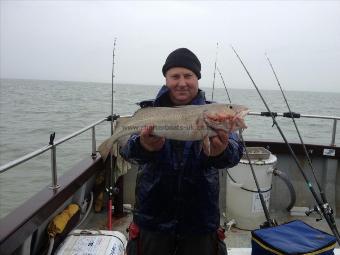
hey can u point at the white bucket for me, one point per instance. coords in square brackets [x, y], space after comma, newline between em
[242, 200]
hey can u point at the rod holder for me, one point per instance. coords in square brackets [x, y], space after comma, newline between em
[94, 152]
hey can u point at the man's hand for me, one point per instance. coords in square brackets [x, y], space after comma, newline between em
[150, 142]
[218, 144]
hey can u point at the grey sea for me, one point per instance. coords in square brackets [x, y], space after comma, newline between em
[30, 110]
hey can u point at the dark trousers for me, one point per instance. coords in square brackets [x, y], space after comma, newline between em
[154, 243]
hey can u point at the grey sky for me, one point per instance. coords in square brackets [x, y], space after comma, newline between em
[73, 40]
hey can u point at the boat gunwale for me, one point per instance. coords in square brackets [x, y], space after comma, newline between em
[38, 208]
[315, 150]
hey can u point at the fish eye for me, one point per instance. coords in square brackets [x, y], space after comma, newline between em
[230, 107]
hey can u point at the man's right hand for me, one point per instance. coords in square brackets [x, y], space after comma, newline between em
[149, 141]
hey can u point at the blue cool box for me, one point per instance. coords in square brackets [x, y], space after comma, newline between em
[295, 237]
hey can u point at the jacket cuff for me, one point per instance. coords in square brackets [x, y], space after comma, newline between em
[230, 156]
[134, 151]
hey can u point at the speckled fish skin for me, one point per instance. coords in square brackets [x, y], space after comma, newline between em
[185, 123]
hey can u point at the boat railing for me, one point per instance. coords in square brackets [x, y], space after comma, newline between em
[52, 146]
[297, 115]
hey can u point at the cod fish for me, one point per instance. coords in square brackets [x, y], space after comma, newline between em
[184, 123]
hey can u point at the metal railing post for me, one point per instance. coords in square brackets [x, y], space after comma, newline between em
[94, 152]
[333, 132]
[55, 185]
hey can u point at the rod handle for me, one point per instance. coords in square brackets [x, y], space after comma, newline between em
[291, 115]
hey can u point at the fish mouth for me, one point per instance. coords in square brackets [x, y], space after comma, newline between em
[240, 118]
[242, 113]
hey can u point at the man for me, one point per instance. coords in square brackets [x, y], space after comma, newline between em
[177, 186]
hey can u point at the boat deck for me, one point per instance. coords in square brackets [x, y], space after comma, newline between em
[238, 241]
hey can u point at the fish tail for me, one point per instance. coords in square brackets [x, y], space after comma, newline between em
[106, 147]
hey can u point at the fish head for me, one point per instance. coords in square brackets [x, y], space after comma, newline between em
[235, 110]
[228, 117]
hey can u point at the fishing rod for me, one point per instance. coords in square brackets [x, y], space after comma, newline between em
[213, 88]
[327, 206]
[112, 83]
[322, 194]
[109, 189]
[270, 222]
[321, 206]
[225, 87]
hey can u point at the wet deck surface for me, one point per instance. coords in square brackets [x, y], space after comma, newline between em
[236, 238]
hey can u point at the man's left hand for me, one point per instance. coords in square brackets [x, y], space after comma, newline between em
[218, 144]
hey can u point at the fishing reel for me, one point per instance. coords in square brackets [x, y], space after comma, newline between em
[112, 191]
[270, 223]
[315, 209]
[327, 209]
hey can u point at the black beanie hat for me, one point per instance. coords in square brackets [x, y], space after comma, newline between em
[183, 57]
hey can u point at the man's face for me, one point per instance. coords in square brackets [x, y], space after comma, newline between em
[182, 84]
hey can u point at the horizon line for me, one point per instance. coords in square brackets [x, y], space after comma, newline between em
[155, 85]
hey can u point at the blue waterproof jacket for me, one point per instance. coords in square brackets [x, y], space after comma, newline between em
[177, 188]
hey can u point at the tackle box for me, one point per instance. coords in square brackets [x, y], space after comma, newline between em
[295, 237]
[93, 242]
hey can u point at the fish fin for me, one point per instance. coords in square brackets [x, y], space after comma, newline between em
[121, 121]
[148, 111]
[206, 144]
[187, 106]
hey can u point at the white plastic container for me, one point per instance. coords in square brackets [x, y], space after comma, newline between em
[93, 242]
[242, 200]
